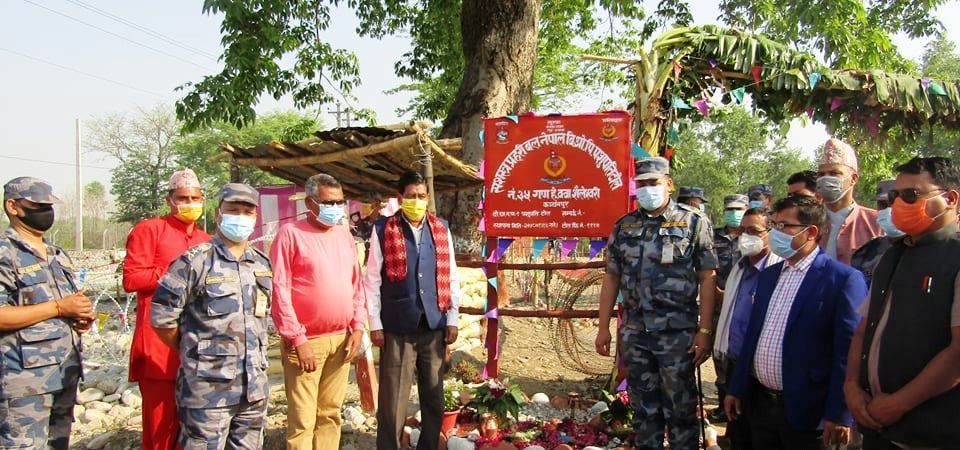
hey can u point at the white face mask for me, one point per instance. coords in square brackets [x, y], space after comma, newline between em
[750, 245]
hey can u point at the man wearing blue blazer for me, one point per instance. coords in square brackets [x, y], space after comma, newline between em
[789, 380]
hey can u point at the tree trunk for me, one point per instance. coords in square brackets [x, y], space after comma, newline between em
[500, 50]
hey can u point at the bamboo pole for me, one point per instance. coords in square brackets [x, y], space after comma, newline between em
[399, 143]
[541, 313]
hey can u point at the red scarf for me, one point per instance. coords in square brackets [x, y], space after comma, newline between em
[395, 255]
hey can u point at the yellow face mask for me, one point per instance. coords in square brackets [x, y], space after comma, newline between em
[189, 212]
[366, 209]
[414, 209]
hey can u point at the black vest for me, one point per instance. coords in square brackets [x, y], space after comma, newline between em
[922, 279]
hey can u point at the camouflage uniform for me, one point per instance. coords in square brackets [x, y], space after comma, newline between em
[727, 246]
[219, 304]
[40, 363]
[657, 259]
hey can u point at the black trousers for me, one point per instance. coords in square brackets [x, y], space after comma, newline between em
[738, 431]
[770, 429]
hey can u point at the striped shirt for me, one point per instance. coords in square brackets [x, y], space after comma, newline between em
[768, 359]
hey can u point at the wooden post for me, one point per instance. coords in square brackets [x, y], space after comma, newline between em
[428, 176]
[493, 324]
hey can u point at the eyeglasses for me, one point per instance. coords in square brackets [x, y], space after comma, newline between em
[329, 202]
[781, 225]
[908, 195]
[754, 231]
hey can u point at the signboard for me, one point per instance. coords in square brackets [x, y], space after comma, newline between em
[556, 176]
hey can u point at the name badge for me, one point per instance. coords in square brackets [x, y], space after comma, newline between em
[666, 257]
[260, 305]
[215, 279]
[678, 224]
[29, 269]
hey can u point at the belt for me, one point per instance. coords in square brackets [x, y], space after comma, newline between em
[767, 393]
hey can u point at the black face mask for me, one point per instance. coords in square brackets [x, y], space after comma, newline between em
[39, 218]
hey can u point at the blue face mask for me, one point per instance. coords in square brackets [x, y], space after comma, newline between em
[330, 215]
[732, 217]
[885, 220]
[651, 197]
[236, 228]
[756, 204]
[782, 243]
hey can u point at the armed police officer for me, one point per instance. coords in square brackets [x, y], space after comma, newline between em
[42, 313]
[659, 257]
[211, 307]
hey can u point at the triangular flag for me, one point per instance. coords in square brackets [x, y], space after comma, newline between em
[703, 107]
[482, 226]
[596, 246]
[756, 71]
[481, 169]
[493, 257]
[713, 63]
[493, 282]
[936, 89]
[638, 152]
[502, 246]
[813, 79]
[738, 94]
[537, 248]
[835, 103]
[480, 135]
[809, 112]
[480, 205]
[568, 246]
[925, 82]
[678, 103]
[673, 135]
[677, 67]
[667, 153]
[513, 117]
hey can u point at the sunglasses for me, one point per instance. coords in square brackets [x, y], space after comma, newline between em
[329, 202]
[909, 195]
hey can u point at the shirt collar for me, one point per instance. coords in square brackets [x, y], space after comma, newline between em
[840, 216]
[760, 265]
[221, 247]
[12, 235]
[805, 263]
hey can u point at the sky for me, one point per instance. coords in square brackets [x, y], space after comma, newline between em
[61, 60]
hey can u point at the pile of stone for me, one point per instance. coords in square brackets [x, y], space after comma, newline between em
[106, 402]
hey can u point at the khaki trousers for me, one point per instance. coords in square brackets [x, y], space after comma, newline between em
[314, 399]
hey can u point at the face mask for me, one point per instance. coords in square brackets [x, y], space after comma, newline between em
[831, 188]
[414, 209]
[330, 215]
[703, 208]
[750, 245]
[755, 204]
[236, 228]
[782, 243]
[912, 218]
[189, 212]
[885, 220]
[651, 197]
[732, 217]
[40, 218]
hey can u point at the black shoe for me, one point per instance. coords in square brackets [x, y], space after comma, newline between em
[717, 416]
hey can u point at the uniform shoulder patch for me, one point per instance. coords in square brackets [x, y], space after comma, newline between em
[197, 250]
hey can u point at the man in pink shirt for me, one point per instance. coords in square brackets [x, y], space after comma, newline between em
[849, 225]
[319, 312]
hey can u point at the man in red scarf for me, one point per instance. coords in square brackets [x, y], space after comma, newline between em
[151, 246]
[414, 296]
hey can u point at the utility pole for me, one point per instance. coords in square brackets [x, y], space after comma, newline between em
[338, 113]
[79, 219]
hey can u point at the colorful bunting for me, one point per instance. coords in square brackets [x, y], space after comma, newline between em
[502, 245]
[738, 94]
[703, 107]
[493, 313]
[809, 111]
[482, 226]
[713, 63]
[480, 205]
[925, 82]
[678, 103]
[480, 136]
[673, 135]
[813, 79]
[835, 103]
[493, 282]
[936, 89]
[596, 246]
[756, 71]
[481, 169]
[537, 249]
[638, 152]
[568, 246]
[677, 67]
[513, 117]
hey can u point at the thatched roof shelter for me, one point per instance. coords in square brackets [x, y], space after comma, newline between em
[363, 159]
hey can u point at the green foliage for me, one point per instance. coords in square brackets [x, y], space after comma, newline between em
[848, 33]
[498, 397]
[732, 151]
[257, 37]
